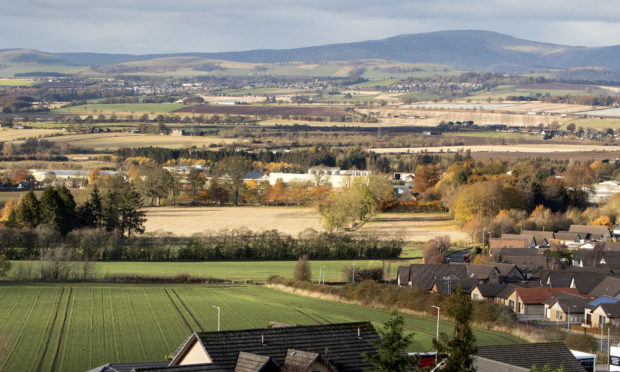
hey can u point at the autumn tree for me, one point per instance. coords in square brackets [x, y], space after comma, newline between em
[302, 269]
[426, 176]
[434, 249]
[578, 180]
[196, 179]
[485, 199]
[232, 171]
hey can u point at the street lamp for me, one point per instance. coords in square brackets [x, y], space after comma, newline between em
[324, 273]
[437, 332]
[218, 316]
[353, 274]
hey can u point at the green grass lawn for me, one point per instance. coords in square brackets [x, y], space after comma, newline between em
[16, 83]
[594, 123]
[81, 326]
[240, 270]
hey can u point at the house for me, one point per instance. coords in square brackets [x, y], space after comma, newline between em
[529, 302]
[592, 232]
[496, 244]
[528, 264]
[566, 307]
[592, 305]
[446, 277]
[584, 281]
[324, 348]
[487, 291]
[536, 239]
[605, 313]
[507, 272]
[609, 287]
[570, 239]
[522, 357]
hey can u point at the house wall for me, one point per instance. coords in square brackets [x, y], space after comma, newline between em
[536, 309]
[515, 302]
[476, 295]
[317, 366]
[195, 355]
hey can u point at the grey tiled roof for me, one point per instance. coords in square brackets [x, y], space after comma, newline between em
[344, 347]
[610, 287]
[553, 354]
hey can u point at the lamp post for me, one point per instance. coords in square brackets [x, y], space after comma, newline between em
[353, 274]
[437, 332]
[324, 273]
[320, 273]
[218, 316]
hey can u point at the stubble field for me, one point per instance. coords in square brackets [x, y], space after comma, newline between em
[192, 220]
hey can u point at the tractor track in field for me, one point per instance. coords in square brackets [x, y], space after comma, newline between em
[325, 321]
[62, 331]
[179, 311]
[49, 338]
[188, 310]
[309, 316]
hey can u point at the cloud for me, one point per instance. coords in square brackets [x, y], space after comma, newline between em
[156, 26]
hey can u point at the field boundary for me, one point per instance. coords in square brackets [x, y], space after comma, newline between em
[62, 331]
[51, 335]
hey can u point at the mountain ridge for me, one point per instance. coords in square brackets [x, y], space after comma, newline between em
[476, 50]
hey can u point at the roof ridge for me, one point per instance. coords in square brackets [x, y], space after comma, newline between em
[331, 325]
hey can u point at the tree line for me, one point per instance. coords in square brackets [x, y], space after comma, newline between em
[100, 244]
[118, 210]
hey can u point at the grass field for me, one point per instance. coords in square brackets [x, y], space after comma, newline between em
[491, 134]
[114, 141]
[522, 148]
[78, 327]
[135, 108]
[595, 123]
[191, 220]
[16, 83]
[257, 271]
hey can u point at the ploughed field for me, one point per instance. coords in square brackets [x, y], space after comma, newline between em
[61, 327]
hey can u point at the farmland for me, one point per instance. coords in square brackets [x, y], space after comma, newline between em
[521, 148]
[257, 271]
[188, 221]
[78, 327]
[23, 134]
[114, 141]
[136, 108]
[264, 110]
[415, 227]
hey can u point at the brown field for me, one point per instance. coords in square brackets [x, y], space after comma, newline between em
[415, 227]
[264, 110]
[431, 118]
[541, 149]
[514, 156]
[9, 134]
[113, 141]
[554, 108]
[188, 221]
[556, 86]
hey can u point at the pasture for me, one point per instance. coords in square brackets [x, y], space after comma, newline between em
[17, 83]
[532, 149]
[60, 327]
[114, 141]
[239, 271]
[192, 220]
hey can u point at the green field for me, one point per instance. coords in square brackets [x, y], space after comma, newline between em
[78, 327]
[135, 108]
[594, 123]
[16, 83]
[239, 270]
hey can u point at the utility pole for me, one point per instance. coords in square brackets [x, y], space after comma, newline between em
[437, 332]
[218, 316]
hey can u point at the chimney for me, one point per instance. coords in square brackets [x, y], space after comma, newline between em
[262, 338]
[359, 332]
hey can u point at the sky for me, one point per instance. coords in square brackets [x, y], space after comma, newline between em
[158, 26]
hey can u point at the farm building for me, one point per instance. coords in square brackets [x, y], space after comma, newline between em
[319, 175]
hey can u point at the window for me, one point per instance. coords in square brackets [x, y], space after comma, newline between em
[511, 303]
[475, 297]
[558, 314]
[601, 320]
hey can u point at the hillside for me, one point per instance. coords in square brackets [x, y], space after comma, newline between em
[469, 50]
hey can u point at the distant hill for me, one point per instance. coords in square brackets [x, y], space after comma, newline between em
[470, 50]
